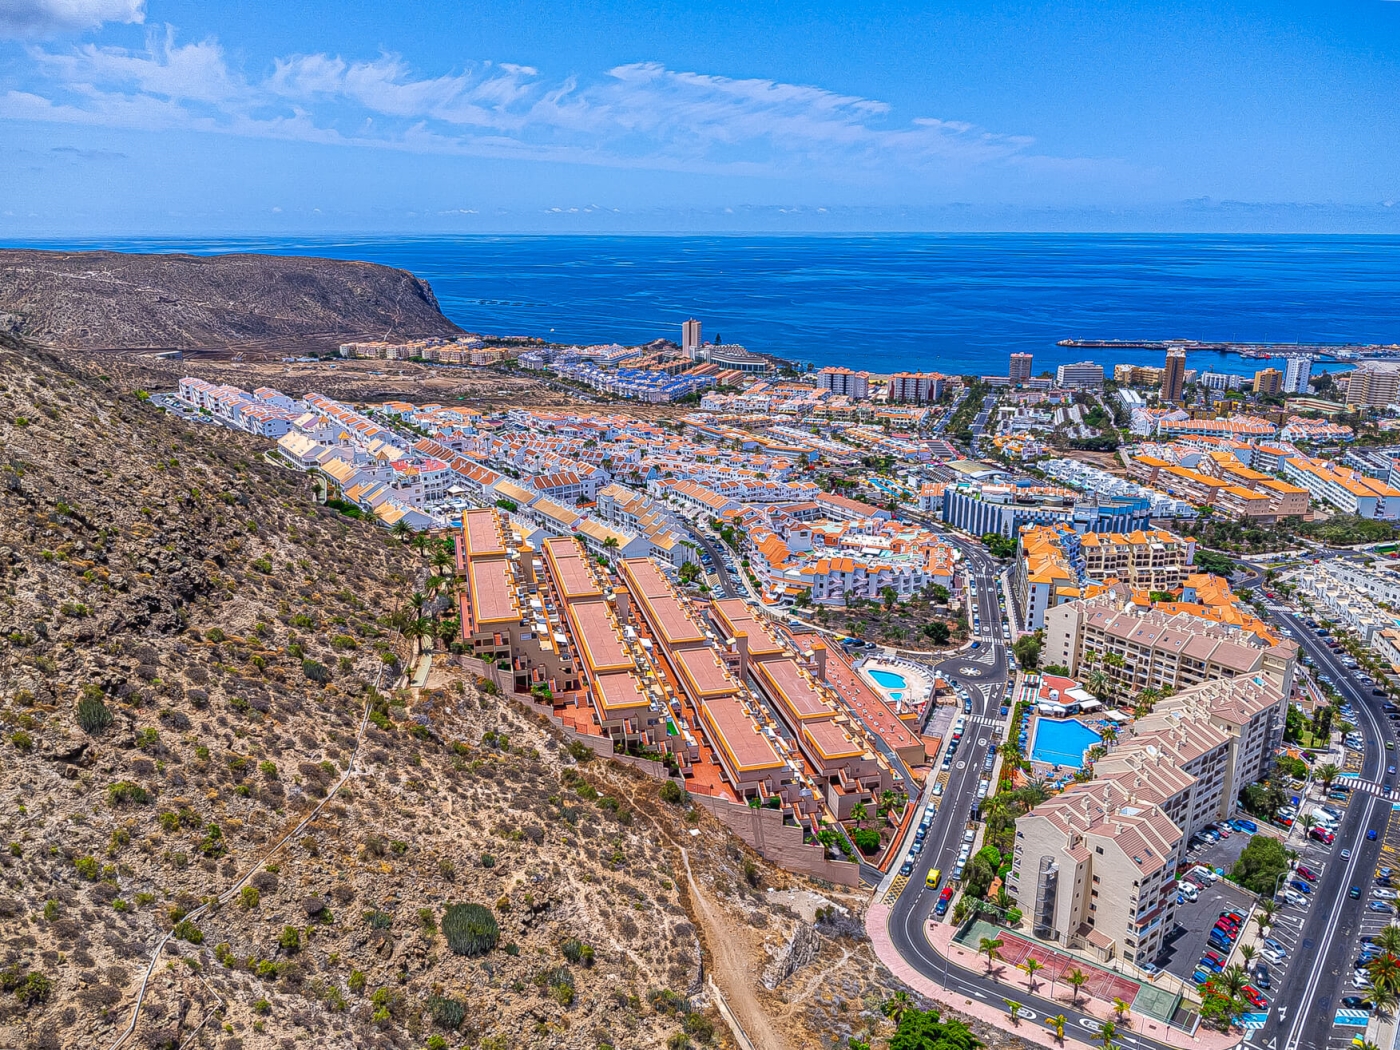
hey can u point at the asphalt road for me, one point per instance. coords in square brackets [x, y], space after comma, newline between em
[716, 563]
[1308, 995]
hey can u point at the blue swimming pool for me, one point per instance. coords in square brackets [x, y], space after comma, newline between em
[1062, 743]
[892, 683]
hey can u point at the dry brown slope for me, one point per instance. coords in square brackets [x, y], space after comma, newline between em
[117, 299]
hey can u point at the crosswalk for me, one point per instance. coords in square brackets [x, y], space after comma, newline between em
[982, 720]
[1372, 788]
[1253, 1021]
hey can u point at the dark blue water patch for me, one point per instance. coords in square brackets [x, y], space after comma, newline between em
[957, 303]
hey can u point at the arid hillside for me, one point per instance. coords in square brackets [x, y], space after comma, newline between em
[105, 300]
[221, 798]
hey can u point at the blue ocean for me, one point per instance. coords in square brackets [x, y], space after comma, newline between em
[955, 303]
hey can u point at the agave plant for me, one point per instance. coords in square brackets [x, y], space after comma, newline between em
[470, 929]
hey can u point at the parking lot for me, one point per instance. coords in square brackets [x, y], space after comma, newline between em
[1187, 941]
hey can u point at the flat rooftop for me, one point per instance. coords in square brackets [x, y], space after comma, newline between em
[481, 533]
[704, 673]
[794, 691]
[740, 742]
[618, 693]
[659, 604]
[597, 636]
[492, 592]
[831, 741]
[570, 570]
[735, 616]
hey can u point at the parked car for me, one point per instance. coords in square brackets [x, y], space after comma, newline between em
[1306, 873]
[1381, 906]
[1354, 893]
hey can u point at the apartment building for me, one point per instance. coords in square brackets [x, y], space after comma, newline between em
[1083, 375]
[1349, 594]
[915, 387]
[1174, 376]
[1056, 564]
[1094, 867]
[1344, 488]
[1268, 381]
[1005, 509]
[855, 385]
[1020, 369]
[1374, 384]
[1173, 645]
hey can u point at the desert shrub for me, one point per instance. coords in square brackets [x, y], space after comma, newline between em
[22, 740]
[88, 867]
[672, 792]
[470, 929]
[316, 671]
[558, 982]
[93, 716]
[290, 941]
[577, 952]
[188, 931]
[379, 920]
[127, 791]
[446, 1013]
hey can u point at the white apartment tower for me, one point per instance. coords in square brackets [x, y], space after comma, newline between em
[1295, 375]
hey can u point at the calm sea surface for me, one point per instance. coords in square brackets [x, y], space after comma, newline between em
[957, 303]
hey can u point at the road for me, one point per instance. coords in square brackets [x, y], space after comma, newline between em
[716, 563]
[1308, 996]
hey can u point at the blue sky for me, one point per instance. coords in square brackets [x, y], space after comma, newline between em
[178, 117]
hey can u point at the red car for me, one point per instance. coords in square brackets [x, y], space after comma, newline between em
[1255, 999]
[1322, 835]
[1307, 873]
[1214, 956]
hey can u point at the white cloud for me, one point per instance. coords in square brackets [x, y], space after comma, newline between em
[639, 115]
[30, 18]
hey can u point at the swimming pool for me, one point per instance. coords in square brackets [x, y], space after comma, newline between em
[1062, 743]
[892, 683]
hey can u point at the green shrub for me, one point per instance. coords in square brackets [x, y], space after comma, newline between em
[379, 920]
[867, 840]
[470, 929]
[316, 671]
[290, 941]
[577, 952]
[672, 792]
[188, 931]
[215, 635]
[249, 897]
[22, 740]
[446, 1013]
[127, 791]
[87, 867]
[93, 716]
[357, 982]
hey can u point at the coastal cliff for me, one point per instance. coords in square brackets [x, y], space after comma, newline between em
[115, 300]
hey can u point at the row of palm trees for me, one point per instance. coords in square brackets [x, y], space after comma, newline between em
[1076, 978]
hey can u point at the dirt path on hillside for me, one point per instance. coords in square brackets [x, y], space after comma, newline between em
[730, 967]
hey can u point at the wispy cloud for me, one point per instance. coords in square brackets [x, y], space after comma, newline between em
[32, 18]
[638, 115]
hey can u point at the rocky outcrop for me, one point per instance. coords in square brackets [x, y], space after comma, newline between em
[100, 300]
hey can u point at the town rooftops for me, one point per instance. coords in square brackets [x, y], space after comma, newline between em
[735, 617]
[704, 673]
[659, 604]
[481, 533]
[832, 742]
[569, 569]
[492, 592]
[793, 690]
[596, 633]
[617, 693]
[739, 740]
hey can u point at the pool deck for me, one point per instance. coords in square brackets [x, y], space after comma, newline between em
[918, 682]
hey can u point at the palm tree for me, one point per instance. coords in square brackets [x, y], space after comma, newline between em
[859, 814]
[1031, 966]
[1385, 1000]
[1120, 1011]
[991, 948]
[1107, 1032]
[1247, 953]
[401, 529]
[441, 559]
[1307, 822]
[1233, 978]
[895, 1005]
[418, 600]
[1097, 683]
[1015, 1009]
[1327, 773]
[1388, 940]
[1076, 979]
[1058, 1023]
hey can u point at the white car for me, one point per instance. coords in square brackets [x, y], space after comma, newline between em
[1383, 894]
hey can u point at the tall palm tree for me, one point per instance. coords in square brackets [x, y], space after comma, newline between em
[1307, 822]
[1247, 953]
[991, 948]
[1385, 1001]
[1015, 1010]
[1097, 682]
[1076, 979]
[1326, 774]
[1031, 966]
[1058, 1023]
[1233, 978]
[1108, 1031]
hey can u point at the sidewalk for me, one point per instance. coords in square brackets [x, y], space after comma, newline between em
[940, 939]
